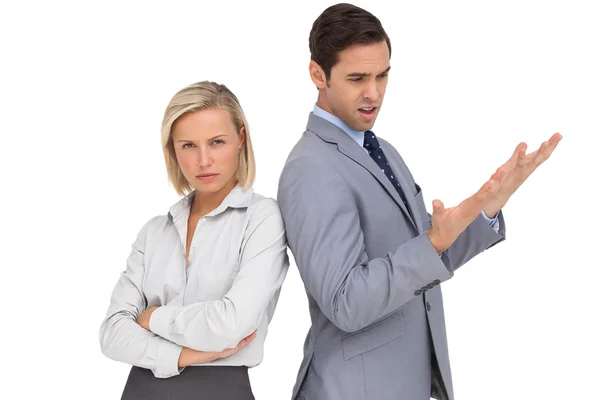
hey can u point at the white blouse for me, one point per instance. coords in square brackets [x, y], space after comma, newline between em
[237, 264]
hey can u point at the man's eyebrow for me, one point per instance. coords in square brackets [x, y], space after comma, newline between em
[386, 71]
[364, 74]
[358, 74]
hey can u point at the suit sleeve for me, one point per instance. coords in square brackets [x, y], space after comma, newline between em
[478, 237]
[325, 237]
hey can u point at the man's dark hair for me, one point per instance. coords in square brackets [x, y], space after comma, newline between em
[339, 27]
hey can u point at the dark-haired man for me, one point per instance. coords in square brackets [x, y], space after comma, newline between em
[370, 255]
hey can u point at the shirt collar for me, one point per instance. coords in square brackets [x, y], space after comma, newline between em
[236, 198]
[358, 136]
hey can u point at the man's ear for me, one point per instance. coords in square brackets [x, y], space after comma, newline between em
[317, 74]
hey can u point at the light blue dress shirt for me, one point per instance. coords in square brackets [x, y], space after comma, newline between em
[359, 138]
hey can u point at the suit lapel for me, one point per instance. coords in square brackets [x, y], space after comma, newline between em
[347, 146]
[401, 174]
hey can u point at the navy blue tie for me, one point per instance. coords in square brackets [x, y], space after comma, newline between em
[372, 145]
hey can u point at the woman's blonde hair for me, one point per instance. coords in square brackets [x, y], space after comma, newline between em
[200, 96]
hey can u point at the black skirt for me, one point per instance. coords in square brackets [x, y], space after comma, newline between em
[197, 383]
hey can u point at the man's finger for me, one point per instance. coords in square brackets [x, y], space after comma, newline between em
[520, 149]
[546, 149]
[542, 154]
[499, 174]
[511, 163]
[557, 137]
[473, 205]
[521, 154]
[438, 206]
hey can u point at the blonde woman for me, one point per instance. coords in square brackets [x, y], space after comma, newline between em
[191, 310]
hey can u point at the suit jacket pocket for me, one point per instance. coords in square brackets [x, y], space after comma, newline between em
[373, 336]
[425, 220]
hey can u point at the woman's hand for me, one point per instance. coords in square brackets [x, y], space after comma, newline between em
[189, 356]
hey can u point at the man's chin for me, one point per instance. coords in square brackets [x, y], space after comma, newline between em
[363, 126]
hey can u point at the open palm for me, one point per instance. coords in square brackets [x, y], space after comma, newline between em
[518, 168]
[448, 223]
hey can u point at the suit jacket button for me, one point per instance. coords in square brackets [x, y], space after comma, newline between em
[430, 286]
[428, 306]
[436, 282]
[418, 293]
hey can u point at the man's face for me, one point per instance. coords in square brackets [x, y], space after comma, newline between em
[357, 84]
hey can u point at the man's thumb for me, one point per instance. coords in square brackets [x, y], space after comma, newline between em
[438, 206]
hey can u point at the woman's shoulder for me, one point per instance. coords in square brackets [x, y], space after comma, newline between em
[263, 205]
[157, 223]
[264, 211]
[263, 215]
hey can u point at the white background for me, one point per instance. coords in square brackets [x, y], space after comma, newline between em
[83, 89]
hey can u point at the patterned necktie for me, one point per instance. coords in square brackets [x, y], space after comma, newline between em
[372, 145]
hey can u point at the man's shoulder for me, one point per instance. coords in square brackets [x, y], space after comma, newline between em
[309, 149]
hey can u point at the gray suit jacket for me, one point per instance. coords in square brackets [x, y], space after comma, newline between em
[370, 272]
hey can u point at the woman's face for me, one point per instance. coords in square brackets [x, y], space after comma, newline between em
[207, 147]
